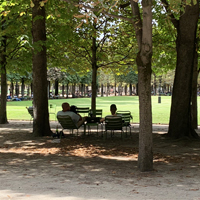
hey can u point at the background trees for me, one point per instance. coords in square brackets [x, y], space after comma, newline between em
[14, 44]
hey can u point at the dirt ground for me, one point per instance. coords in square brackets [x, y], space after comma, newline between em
[90, 168]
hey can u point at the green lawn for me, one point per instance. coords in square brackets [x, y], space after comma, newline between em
[160, 111]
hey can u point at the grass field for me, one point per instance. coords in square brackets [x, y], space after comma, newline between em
[160, 111]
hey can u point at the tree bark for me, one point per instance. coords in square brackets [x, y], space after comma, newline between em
[63, 90]
[17, 89]
[180, 124]
[125, 90]
[73, 90]
[41, 125]
[31, 88]
[94, 73]
[22, 88]
[48, 88]
[107, 89]
[28, 91]
[155, 85]
[130, 90]
[12, 88]
[67, 91]
[56, 87]
[115, 86]
[101, 90]
[3, 112]
[194, 107]
[144, 39]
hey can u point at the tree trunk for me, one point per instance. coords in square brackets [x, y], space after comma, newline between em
[119, 90]
[63, 90]
[101, 90]
[31, 88]
[67, 91]
[12, 88]
[56, 87]
[155, 85]
[180, 118]
[94, 89]
[194, 107]
[107, 90]
[94, 73]
[84, 93]
[115, 86]
[130, 89]
[144, 39]
[28, 91]
[22, 88]
[17, 89]
[41, 125]
[82, 90]
[73, 90]
[3, 113]
[48, 88]
[136, 89]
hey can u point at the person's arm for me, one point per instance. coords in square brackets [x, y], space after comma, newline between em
[80, 117]
[102, 119]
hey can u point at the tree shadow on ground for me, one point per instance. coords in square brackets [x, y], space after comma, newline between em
[89, 159]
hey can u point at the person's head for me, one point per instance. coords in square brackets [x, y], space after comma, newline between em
[113, 109]
[73, 109]
[65, 107]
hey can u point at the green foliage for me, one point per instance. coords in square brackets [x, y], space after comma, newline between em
[164, 38]
[131, 77]
[60, 27]
[16, 29]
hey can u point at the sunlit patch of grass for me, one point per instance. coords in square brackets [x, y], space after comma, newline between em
[160, 111]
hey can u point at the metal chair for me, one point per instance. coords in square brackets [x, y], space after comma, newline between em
[52, 110]
[30, 111]
[126, 118]
[83, 110]
[66, 122]
[95, 113]
[113, 123]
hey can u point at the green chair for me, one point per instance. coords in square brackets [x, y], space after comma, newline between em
[126, 118]
[52, 110]
[95, 113]
[66, 122]
[83, 110]
[30, 111]
[113, 123]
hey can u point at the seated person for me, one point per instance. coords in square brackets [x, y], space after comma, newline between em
[30, 107]
[66, 111]
[73, 109]
[113, 109]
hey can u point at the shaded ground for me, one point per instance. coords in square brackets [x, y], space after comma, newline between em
[90, 168]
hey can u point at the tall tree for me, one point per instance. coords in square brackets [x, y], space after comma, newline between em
[41, 125]
[15, 46]
[3, 114]
[100, 47]
[143, 31]
[144, 38]
[180, 124]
